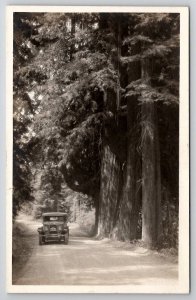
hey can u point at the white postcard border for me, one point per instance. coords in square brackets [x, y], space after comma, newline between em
[183, 284]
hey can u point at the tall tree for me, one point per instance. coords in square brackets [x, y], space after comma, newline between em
[102, 88]
[25, 25]
[154, 33]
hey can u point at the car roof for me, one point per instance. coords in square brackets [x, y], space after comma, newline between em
[54, 214]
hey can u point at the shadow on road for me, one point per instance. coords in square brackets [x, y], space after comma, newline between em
[88, 261]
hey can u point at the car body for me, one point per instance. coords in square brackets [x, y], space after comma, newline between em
[54, 228]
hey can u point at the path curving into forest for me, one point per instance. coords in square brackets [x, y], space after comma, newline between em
[87, 261]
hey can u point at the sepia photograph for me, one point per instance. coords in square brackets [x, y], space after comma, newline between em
[97, 150]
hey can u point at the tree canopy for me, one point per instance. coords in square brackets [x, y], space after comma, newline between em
[74, 77]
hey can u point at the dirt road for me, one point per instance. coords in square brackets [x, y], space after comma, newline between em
[87, 261]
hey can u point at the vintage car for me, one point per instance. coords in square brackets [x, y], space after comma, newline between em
[54, 228]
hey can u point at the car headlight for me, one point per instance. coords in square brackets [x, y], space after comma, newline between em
[65, 229]
[40, 229]
[59, 227]
[45, 228]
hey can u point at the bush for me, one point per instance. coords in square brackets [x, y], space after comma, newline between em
[86, 220]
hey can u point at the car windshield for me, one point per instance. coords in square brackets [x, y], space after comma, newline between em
[54, 218]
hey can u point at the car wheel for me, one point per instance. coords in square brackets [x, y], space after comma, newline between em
[66, 240]
[41, 242]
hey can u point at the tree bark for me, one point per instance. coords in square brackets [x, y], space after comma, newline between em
[108, 191]
[151, 189]
[117, 208]
[159, 225]
[129, 209]
[97, 212]
[119, 43]
[148, 175]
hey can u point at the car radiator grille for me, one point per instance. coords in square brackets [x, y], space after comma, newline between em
[53, 229]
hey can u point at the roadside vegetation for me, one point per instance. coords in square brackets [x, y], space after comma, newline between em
[22, 246]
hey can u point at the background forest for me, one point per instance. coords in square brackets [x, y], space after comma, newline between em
[96, 121]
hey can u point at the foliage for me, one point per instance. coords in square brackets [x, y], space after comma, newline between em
[73, 97]
[22, 112]
[64, 66]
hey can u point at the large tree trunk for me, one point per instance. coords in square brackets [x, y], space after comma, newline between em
[97, 212]
[108, 191]
[119, 44]
[130, 202]
[151, 189]
[129, 210]
[119, 196]
[149, 218]
[158, 183]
